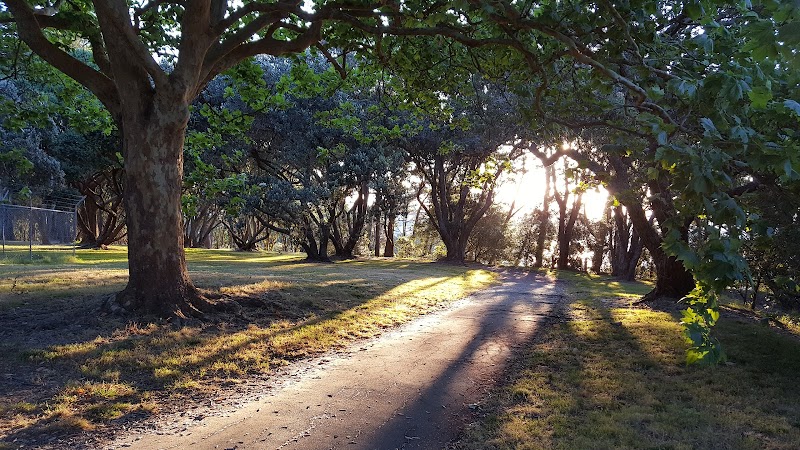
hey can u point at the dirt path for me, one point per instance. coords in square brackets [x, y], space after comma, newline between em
[413, 388]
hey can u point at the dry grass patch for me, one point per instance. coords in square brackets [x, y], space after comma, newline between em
[90, 371]
[609, 377]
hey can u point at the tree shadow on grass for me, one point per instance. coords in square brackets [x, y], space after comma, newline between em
[615, 378]
[104, 372]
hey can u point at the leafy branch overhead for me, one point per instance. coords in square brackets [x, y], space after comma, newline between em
[681, 110]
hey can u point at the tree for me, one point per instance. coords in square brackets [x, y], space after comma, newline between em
[489, 243]
[713, 84]
[626, 245]
[460, 163]
[150, 104]
[567, 219]
[772, 243]
[92, 165]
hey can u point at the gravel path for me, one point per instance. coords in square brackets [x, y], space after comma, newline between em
[412, 388]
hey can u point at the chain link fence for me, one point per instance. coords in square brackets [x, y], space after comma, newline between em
[28, 227]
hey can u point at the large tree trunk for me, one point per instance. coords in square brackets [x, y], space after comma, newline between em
[159, 282]
[456, 249]
[672, 278]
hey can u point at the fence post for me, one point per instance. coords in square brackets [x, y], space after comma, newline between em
[30, 229]
[5, 213]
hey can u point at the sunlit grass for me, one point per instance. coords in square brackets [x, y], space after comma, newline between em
[587, 285]
[611, 377]
[299, 309]
[768, 314]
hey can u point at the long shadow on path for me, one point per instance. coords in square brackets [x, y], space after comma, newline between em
[413, 388]
[496, 323]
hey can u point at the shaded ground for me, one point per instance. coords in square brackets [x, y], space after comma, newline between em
[414, 388]
[64, 369]
[611, 375]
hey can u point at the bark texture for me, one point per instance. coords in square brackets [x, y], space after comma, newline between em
[150, 108]
[626, 246]
[153, 148]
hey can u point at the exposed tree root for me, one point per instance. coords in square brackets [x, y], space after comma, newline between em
[656, 296]
[190, 307]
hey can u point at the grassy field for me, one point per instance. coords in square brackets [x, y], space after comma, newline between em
[64, 367]
[607, 375]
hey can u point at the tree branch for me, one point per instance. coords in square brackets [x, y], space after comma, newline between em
[116, 12]
[30, 32]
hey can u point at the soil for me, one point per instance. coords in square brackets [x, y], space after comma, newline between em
[415, 387]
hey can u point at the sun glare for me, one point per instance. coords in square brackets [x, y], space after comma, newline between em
[526, 190]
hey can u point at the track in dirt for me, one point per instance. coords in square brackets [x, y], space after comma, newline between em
[412, 388]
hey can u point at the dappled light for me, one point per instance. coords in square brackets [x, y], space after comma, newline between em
[594, 205]
[613, 377]
[291, 311]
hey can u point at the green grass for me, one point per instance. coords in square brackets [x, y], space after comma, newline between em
[93, 370]
[611, 376]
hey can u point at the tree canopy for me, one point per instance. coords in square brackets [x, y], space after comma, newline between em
[683, 106]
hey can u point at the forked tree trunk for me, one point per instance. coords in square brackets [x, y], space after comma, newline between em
[627, 247]
[153, 150]
[355, 219]
[456, 249]
[672, 278]
[388, 249]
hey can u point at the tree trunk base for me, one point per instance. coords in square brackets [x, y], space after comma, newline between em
[453, 261]
[312, 259]
[190, 309]
[92, 246]
[658, 294]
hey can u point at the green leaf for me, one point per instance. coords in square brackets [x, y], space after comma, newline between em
[694, 10]
[709, 127]
[792, 106]
[790, 33]
[760, 96]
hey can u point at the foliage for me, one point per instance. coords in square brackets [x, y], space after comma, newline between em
[698, 95]
[771, 244]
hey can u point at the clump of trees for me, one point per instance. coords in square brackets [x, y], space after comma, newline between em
[685, 113]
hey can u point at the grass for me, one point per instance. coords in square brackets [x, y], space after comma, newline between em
[607, 375]
[78, 371]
